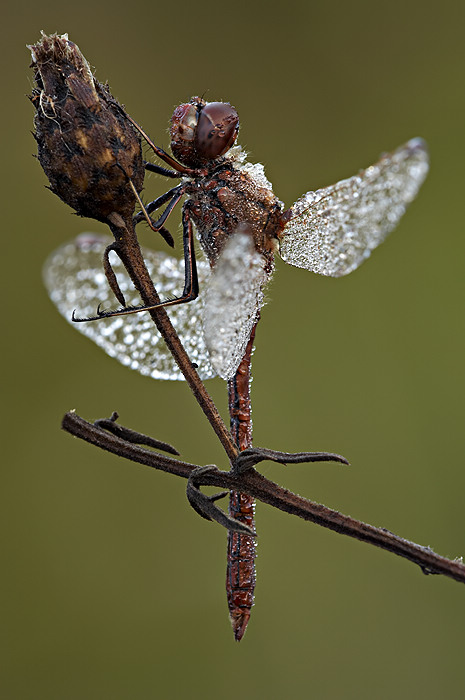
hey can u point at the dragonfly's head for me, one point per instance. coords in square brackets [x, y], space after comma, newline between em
[202, 131]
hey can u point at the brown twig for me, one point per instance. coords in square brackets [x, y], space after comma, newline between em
[128, 249]
[256, 485]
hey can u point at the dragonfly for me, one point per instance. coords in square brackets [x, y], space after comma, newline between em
[240, 225]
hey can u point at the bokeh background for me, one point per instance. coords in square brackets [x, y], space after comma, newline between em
[113, 586]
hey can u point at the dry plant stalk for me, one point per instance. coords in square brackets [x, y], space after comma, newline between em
[90, 150]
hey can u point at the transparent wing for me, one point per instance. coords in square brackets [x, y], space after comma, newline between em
[74, 279]
[232, 301]
[333, 230]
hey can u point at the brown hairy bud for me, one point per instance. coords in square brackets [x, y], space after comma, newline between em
[86, 145]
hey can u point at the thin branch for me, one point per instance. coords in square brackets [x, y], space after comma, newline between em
[130, 253]
[256, 485]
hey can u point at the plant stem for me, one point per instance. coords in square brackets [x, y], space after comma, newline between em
[130, 253]
[266, 491]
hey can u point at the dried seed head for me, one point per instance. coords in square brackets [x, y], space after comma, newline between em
[86, 145]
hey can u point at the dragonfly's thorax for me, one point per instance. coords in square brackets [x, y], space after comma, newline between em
[232, 198]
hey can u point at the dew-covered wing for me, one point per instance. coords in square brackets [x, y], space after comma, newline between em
[232, 301]
[333, 230]
[75, 280]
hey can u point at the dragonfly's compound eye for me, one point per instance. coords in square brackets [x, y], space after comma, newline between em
[182, 133]
[217, 128]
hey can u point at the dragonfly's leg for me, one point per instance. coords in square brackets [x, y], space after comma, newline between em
[191, 283]
[159, 152]
[153, 206]
[159, 170]
[204, 505]
[176, 193]
[248, 458]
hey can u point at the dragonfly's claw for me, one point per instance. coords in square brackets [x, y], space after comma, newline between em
[253, 455]
[99, 314]
[204, 505]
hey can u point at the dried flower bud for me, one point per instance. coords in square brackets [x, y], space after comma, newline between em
[86, 145]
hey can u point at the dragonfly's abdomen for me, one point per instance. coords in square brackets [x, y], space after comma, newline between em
[240, 572]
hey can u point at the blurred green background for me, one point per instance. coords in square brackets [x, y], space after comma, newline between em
[113, 586]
